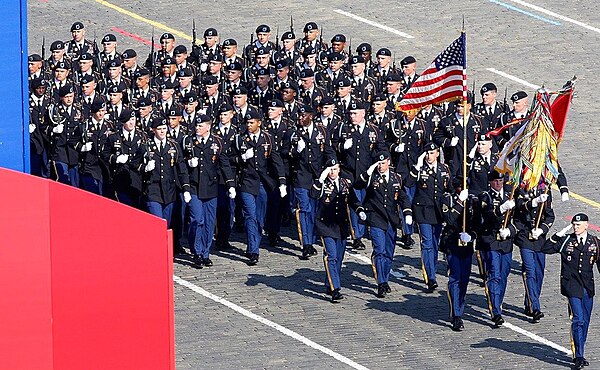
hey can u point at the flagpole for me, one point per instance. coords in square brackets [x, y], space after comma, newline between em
[465, 122]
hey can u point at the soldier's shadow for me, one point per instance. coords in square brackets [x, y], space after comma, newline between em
[410, 304]
[534, 350]
[304, 281]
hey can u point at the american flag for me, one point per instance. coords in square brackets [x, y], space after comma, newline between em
[445, 79]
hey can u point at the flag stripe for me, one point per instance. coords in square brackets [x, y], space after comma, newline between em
[421, 102]
[441, 85]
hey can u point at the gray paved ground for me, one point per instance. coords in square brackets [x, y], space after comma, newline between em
[409, 329]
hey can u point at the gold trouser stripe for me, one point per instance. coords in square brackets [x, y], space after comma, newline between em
[571, 330]
[425, 277]
[325, 260]
[449, 296]
[299, 225]
[374, 268]
[55, 170]
[350, 222]
[527, 295]
[482, 273]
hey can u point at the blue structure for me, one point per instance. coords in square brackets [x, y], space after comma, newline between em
[14, 89]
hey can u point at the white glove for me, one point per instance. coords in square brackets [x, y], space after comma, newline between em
[58, 129]
[193, 162]
[372, 168]
[282, 190]
[187, 197]
[420, 161]
[362, 216]
[408, 219]
[122, 158]
[249, 154]
[564, 231]
[454, 141]
[536, 233]
[504, 233]
[400, 148]
[324, 175]
[231, 193]
[539, 199]
[463, 195]
[86, 147]
[149, 166]
[203, 67]
[472, 152]
[301, 146]
[465, 237]
[509, 204]
[31, 128]
[348, 144]
[564, 196]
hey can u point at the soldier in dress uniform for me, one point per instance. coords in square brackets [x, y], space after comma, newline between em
[344, 98]
[310, 39]
[333, 195]
[146, 115]
[282, 74]
[185, 78]
[116, 104]
[327, 78]
[363, 86]
[230, 53]
[309, 57]
[533, 218]
[234, 77]
[432, 115]
[242, 107]
[394, 88]
[380, 116]
[86, 69]
[142, 88]
[489, 109]
[38, 126]
[496, 238]
[57, 50]
[209, 48]
[262, 93]
[289, 50]
[125, 156]
[384, 200]
[327, 116]
[108, 53]
[263, 33]
[310, 93]
[356, 142]
[481, 162]
[409, 72]
[93, 170]
[190, 106]
[168, 73]
[383, 68]
[78, 45]
[61, 79]
[289, 92]
[130, 65]
[261, 172]
[167, 100]
[35, 67]
[207, 163]
[579, 254]
[520, 105]
[167, 47]
[182, 61]
[212, 97]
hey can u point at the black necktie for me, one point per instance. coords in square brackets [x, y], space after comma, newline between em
[384, 177]
[335, 187]
[162, 146]
[328, 121]
[581, 241]
[129, 136]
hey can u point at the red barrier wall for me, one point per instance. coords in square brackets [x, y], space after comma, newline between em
[86, 282]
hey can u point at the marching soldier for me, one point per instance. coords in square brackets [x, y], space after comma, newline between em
[310, 93]
[38, 126]
[309, 56]
[289, 50]
[365, 51]
[328, 77]
[310, 39]
[432, 115]
[167, 101]
[579, 254]
[230, 53]
[393, 87]
[234, 77]
[209, 48]
[520, 103]
[35, 67]
[380, 116]
[130, 65]
[213, 97]
[343, 98]
[383, 69]
[262, 93]
[108, 53]
[61, 79]
[328, 118]
[167, 47]
[78, 45]
[289, 92]
[146, 115]
[57, 49]
[142, 88]
[496, 239]
[384, 200]
[363, 86]
[490, 108]
[481, 162]
[263, 33]
[94, 134]
[186, 87]
[409, 72]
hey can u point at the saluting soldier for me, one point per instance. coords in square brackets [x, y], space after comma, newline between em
[384, 200]
[496, 242]
[579, 254]
[333, 195]
[207, 163]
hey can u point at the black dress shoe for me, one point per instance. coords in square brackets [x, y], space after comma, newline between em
[312, 251]
[381, 291]
[431, 286]
[336, 295]
[329, 291]
[358, 245]
[305, 253]
[457, 324]
[224, 245]
[585, 362]
[208, 262]
[178, 250]
[528, 312]
[579, 363]
[407, 242]
[253, 259]
[537, 315]
[387, 288]
[197, 261]
[273, 240]
[498, 321]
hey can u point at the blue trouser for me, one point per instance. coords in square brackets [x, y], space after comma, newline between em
[306, 207]
[39, 163]
[498, 268]
[272, 225]
[91, 184]
[580, 311]
[384, 244]
[430, 241]
[202, 224]
[164, 211]
[67, 175]
[410, 192]
[533, 277]
[254, 208]
[459, 272]
[333, 255]
[359, 229]
[129, 198]
[225, 209]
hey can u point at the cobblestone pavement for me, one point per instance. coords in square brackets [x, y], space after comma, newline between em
[409, 328]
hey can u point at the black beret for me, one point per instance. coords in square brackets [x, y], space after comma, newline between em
[338, 38]
[384, 51]
[343, 82]
[179, 49]
[225, 107]
[210, 32]
[87, 79]
[126, 115]
[382, 155]
[263, 72]
[240, 90]
[357, 59]
[168, 61]
[142, 72]
[62, 65]
[77, 26]
[37, 82]
[494, 175]
[157, 122]
[97, 105]
[335, 57]
[307, 73]
[408, 60]
[35, 58]
[282, 63]
[230, 42]
[185, 72]
[289, 35]
[210, 80]
[431, 146]
[331, 162]
[310, 26]
[235, 66]
[128, 54]
[518, 96]
[484, 137]
[488, 87]
[115, 89]
[218, 57]
[86, 57]
[327, 100]
[175, 112]
[394, 77]
[580, 217]
[356, 105]
[364, 48]
[65, 90]
[202, 118]
[144, 102]
[252, 114]
[262, 51]
[167, 85]
[276, 103]
[263, 28]
[167, 36]
[57, 45]
[309, 50]
[306, 109]
[109, 37]
[290, 85]
[380, 97]
[115, 63]
[192, 97]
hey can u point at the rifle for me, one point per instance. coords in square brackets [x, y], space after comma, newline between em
[153, 66]
[250, 55]
[473, 93]
[277, 47]
[506, 110]
[43, 47]
[193, 33]
[394, 62]
[350, 48]
[291, 23]
[321, 45]
[96, 55]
